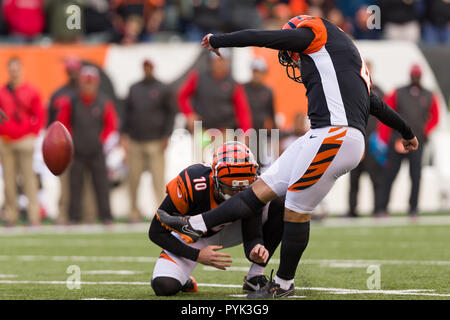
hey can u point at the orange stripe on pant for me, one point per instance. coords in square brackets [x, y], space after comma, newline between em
[164, 255]
[327, 151]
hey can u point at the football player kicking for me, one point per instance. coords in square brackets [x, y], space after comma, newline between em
[322, 57]
[199, 188]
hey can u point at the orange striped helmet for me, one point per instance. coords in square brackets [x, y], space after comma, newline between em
[290, 59]
[233, 168]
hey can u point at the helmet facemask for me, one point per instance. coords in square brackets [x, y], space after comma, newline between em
[236, 187]
[291, 60]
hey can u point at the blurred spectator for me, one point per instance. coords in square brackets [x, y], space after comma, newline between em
[399, 19]
[355, 16]
[90, 116]
[98, 19]
[275, 13]
[436, 28]
[22, 105]
[73, 67]
[335, 16]
[298, 7]
[315, 11]
[25, 19]
[420, 109]
[201, 17]
[368, 164]
[217, 99]
[137, 20]
[148, 123]
[260, 98]
[57, 21]
[240, 14]
[349, 8]
[360, 29]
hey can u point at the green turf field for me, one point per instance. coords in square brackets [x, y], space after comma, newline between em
[117, 262]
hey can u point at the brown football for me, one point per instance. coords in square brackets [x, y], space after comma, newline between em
[57, 148]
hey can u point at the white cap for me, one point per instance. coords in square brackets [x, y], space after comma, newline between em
[225, 52]
[259, 64]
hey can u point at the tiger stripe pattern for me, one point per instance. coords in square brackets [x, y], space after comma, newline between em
[322, 160]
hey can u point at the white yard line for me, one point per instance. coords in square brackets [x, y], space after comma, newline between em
[112, 272]
[338, 291]
[125, 283]
[76, 229]
[244, 295]
[79, 258]
[385, 222]
[8, 275]
[143, 227]
[241, 269]
[143, 259]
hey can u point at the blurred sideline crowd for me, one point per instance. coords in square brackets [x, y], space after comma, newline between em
[147, 122]
[133, 21]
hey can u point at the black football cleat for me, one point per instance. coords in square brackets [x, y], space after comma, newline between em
[254, 283]
[190, 285]
[180, 224]
[272, 290]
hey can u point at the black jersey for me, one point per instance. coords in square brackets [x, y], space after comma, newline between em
[336, 78]
[192, 191]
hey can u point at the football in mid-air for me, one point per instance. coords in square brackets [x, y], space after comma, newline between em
[57, 148]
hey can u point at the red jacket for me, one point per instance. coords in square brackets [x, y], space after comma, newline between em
[24, 109]
[110, 119]
[24, 17]
[384, 131]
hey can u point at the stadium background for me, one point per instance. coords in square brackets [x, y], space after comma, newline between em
[121, 67]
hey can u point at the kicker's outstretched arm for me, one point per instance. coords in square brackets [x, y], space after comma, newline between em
[293, 40]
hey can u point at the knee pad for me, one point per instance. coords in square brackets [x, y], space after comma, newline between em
[165, 286]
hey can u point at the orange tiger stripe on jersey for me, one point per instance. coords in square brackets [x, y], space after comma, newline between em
[212, 199]
[164, 255]
[189, 186]
[316, 25]
[322, 160]
[178, 194]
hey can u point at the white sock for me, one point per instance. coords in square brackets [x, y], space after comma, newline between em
[284, 284]
[255, 270]
[197, 223]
